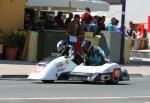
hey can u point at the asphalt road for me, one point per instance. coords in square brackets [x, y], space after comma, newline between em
[24, 91]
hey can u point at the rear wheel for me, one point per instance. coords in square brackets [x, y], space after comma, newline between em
[47, 81]
[113, 81]
[115, 76]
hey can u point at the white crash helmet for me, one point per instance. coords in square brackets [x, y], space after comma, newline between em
[61, 46]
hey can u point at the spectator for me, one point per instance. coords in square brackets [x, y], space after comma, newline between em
[130, 29]
[110, 25]
[36, 24]
[131, 33]
[73, 29]
[49, 23]
[113, 26]
[28, 22]
[59, 21]
[103, 27]
[93, 26]
[84, 26]
[101, 23]
[138, 39]
[86, 15]
[68, 20]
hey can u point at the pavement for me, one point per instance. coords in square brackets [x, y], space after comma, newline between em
[138, 66]
[15, 69]
[21, 69]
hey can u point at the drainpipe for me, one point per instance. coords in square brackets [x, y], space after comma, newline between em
[122, 60]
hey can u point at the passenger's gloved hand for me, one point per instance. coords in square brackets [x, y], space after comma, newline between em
[94, 64]
[108, 60]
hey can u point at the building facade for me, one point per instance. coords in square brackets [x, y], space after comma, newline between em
[11, 14]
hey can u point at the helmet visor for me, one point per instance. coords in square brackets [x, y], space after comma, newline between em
[84, 49]
[60, 48]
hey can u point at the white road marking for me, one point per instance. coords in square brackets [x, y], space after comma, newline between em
[12, 86]
[77, 98]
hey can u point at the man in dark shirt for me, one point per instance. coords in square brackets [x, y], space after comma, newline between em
[68, 20]
[59, 21]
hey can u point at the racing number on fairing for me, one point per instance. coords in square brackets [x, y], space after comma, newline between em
[37, 69]
[116, 73]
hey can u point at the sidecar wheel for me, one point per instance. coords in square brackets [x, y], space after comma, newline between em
[47, 81]
[113, 81]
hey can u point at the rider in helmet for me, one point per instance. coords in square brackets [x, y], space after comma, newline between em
[94, 54]
[67, 50]
[63, 48]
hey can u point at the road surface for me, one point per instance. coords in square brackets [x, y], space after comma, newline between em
[25, 91]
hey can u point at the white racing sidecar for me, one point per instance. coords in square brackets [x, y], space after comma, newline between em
[62, 68]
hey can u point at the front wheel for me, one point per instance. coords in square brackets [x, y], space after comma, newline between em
[86, 82]
[47, 81]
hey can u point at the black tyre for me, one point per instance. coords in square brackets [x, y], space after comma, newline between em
[113, 81]
[86, 82]
[47, 81]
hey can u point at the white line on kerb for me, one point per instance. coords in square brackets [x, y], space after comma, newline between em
[77, 98]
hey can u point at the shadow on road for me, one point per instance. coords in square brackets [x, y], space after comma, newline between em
[78, 82]
[138, 62]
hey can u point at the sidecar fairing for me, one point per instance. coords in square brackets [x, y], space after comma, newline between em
[48, 71]
[109, 73]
